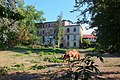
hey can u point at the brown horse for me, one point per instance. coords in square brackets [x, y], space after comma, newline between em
[72, 53]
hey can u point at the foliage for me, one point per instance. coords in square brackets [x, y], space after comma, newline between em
[28, 31]
[86, 43]
[104, 15]
[13, 30]
[8, 23]
[37, 67]
[82, 69]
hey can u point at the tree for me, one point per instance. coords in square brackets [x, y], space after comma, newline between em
[28, 24]
[58, 31]
[86, 43]
[8, 23]
[104, 15]
[12, 28]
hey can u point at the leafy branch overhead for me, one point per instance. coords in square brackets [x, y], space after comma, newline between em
[104, 15]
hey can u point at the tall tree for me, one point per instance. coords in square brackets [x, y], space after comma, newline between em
[8, 22]
[58, 31]
[104, 15]
[31, 16]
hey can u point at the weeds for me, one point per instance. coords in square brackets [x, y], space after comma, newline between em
[3, 71]
[37, 67]
[82, 69]
[53, 59]
[34, 61]
[17, 67]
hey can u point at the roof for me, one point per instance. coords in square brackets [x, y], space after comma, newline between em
[88, 36]
[72, 25]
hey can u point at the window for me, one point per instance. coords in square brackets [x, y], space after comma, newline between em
[68, 30]
[67, 37]
[67, 43]
[43, 25]
[74, 30]
[54, 24]
[43, 32]
[37, 32]
[74, 38]
[49, 25]
[74, 44]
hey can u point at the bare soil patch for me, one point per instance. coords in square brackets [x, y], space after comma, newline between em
[110, 69]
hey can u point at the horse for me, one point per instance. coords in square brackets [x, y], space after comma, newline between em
[72, 53]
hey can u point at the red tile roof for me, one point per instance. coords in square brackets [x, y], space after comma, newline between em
[88, 36]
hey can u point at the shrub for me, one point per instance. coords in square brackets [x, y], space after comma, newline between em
[81, 69]
[86, 43]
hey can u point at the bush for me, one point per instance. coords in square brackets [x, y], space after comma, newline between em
[82, 69]
[86, 43]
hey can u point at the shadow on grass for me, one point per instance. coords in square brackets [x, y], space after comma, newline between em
[23, 50]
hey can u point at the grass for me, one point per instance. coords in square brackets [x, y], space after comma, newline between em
[53, 59]
[18, 55]
[34, 61]
[17, 67]
[29, 50]
[46, 53]
[37, 67]
[90, 49]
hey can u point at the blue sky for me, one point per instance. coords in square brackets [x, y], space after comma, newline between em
[53, 8]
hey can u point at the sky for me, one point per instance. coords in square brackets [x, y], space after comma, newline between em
[53, 8]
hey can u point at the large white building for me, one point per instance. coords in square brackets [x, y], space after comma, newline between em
[71, 38]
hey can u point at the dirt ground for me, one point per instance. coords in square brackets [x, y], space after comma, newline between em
[110, 69]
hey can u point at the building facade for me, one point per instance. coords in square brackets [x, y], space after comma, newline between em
[71, 33]
[89, 37]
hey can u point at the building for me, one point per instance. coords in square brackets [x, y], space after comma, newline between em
[89, 37]
[71, 37]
